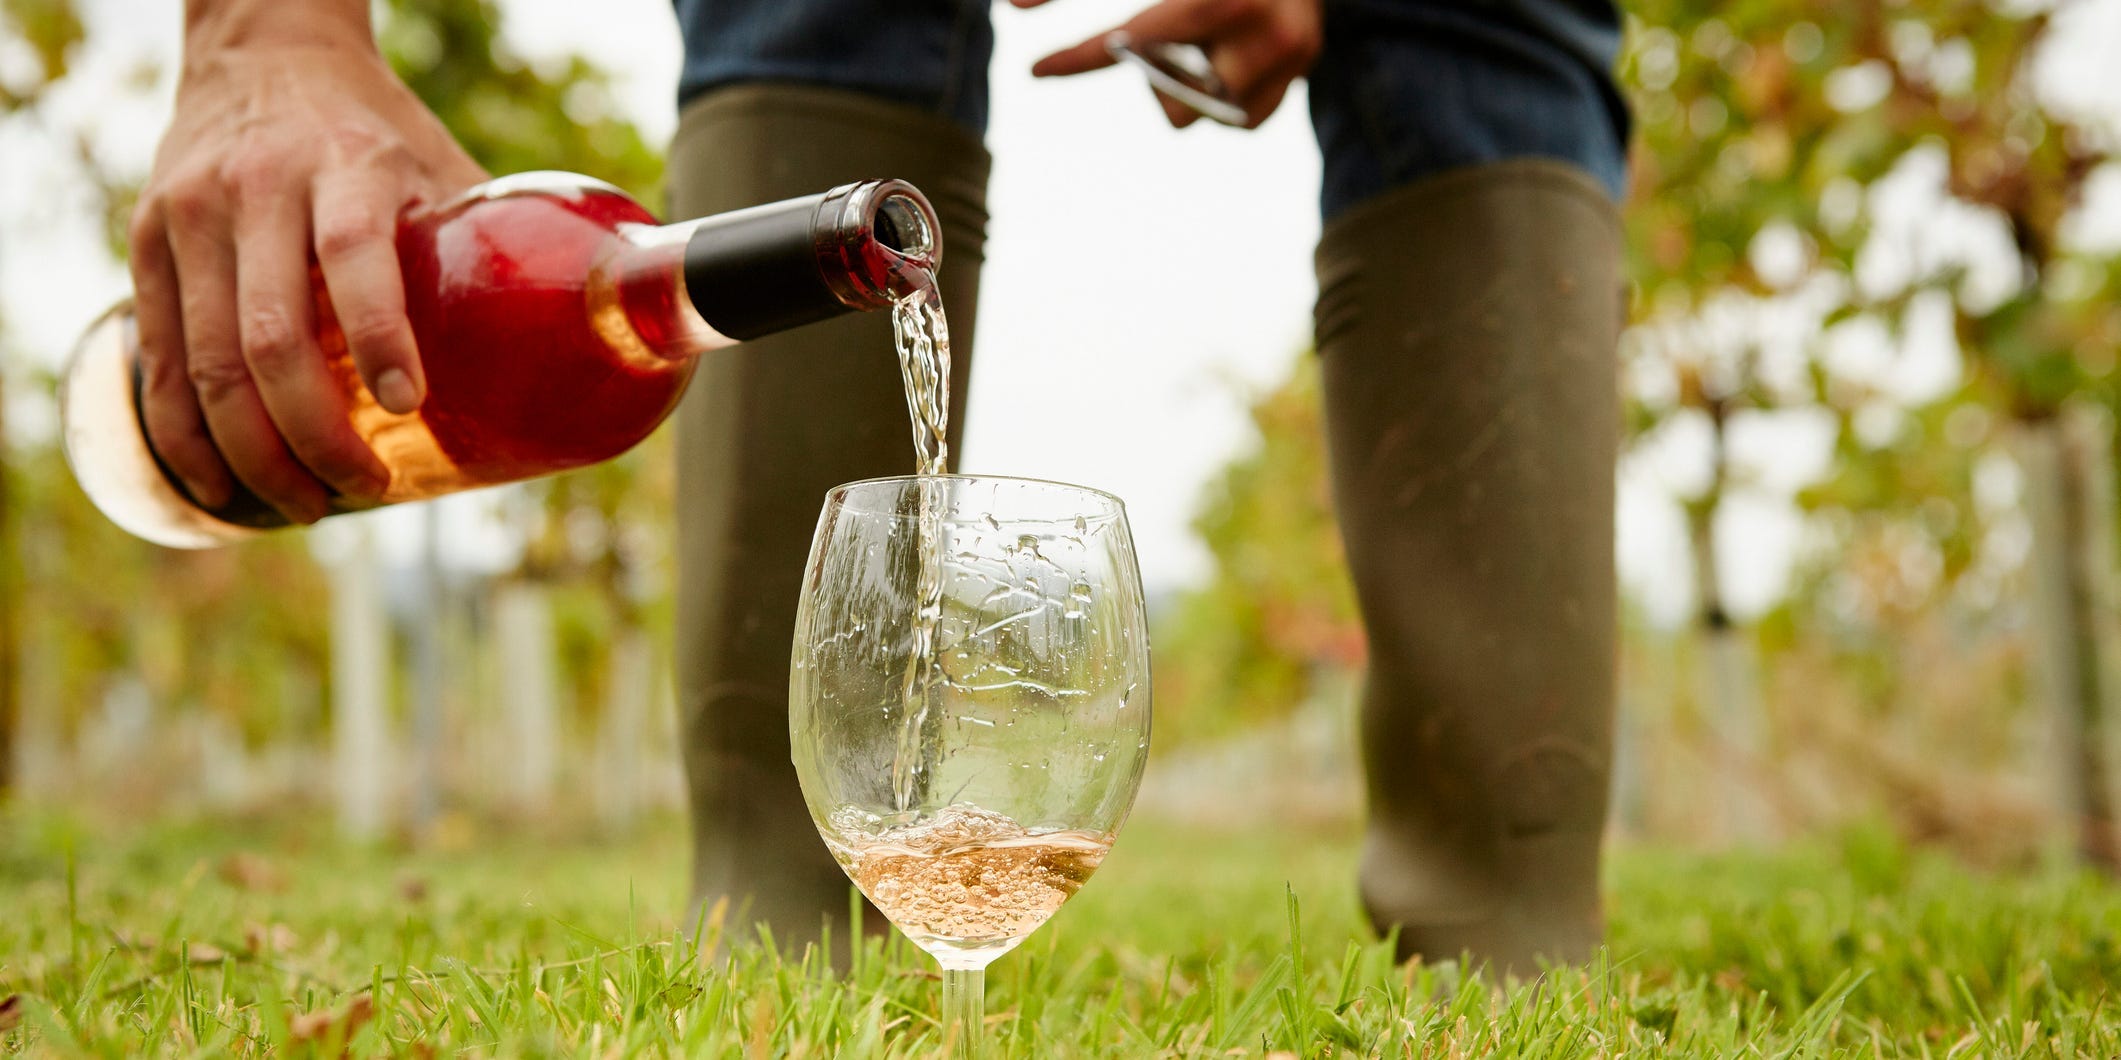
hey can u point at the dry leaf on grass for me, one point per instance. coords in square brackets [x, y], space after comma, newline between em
[10, 1012]
[204, 953]
[259, 938]
[252, 872]
[327, 1024]
[412, 888]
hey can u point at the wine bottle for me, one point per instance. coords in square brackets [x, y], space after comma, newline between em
[557, 322]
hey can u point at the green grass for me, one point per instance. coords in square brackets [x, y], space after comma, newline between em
[247, 940]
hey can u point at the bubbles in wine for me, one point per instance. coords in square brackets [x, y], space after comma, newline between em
[965, 876]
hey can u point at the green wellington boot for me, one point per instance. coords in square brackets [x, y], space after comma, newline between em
[766, 429]
[1467, 325]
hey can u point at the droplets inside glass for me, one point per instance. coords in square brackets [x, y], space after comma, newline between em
[970, 703]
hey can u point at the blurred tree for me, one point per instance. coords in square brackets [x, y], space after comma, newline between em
[10, 602]
[513, 117]
[1278, 608]
[509, 114]
[1768, 133]
[1738, 152]
[51, 30]
[1963, 75]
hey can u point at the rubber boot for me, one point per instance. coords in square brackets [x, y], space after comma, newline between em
[1467, 325]
[767, 427]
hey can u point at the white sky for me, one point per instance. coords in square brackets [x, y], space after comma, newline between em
[1131, 376]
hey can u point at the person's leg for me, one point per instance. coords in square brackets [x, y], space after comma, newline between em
[1469, 301]
[789, 97]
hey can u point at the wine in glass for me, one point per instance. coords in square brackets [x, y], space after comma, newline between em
[969, 705]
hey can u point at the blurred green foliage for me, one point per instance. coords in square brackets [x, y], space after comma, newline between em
[510, 115]
[1279, 608]
[596, 533]
[52, 30]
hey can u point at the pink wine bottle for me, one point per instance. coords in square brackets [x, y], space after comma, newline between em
[557, 323]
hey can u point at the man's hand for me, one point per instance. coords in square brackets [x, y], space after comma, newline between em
[291, 139]
[1257, 48]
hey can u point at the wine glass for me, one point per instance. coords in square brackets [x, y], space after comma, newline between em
[969, 705]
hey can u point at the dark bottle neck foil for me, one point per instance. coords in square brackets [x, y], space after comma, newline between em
[782, 265]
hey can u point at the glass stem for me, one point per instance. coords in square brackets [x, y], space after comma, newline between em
[964, 1011]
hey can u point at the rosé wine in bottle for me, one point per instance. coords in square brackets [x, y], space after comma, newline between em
[557, 323]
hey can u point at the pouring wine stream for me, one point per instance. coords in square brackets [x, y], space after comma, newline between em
[922, 335]
[1014, 720]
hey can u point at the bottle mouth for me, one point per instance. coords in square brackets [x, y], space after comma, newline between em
[902, 227]
[877, 241]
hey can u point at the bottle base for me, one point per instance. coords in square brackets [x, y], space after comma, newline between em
[106, 444]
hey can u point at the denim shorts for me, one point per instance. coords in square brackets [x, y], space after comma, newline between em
[1403, 89]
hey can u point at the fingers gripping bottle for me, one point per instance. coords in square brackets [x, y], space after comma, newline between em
[557, 323]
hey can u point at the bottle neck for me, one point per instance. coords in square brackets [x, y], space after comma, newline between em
[672, 292]
[637, 301]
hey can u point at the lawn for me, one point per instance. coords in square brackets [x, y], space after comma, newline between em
[268, 938]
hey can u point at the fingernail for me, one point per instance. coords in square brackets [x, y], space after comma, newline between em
[394, 390]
